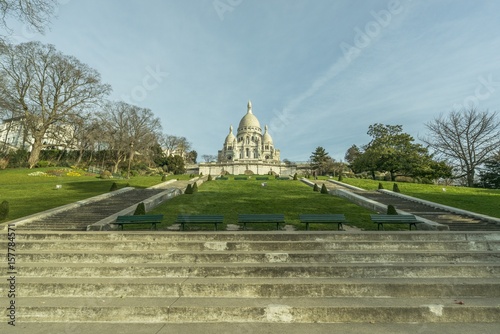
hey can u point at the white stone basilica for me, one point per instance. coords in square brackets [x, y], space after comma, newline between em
[249, 152]
[249, 145]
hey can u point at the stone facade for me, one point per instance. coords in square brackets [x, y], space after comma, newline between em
[250, 151]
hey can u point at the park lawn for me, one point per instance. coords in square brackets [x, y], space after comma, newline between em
[232, 197]
[31, 194]
[479, 200]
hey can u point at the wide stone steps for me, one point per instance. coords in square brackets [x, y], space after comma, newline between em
[286, 310]
[257, 287]
[111, 257]
[78, 219]
[255, 278]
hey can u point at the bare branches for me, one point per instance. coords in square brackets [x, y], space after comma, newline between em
[35, 13]
[466, 137]
[46, 88]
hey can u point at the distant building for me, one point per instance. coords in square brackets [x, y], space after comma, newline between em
[249, 152]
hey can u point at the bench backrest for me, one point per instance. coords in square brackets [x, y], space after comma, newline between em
[199, 218]
[322, 217]
[393, 218]
[140, 218]
[261, 217]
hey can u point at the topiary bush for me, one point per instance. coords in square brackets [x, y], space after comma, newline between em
[105, 175]
[340, 177]
[209, 177]
[324, 190]
[4, 210]
[140, 210]
[380, 186]
[295, 176]
[395, 188]
[315, 188]
[391, 210]
[114, 187]
[189, 189]
[164, 178]
[195, 188]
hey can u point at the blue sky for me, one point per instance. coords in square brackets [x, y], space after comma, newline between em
[317, 72]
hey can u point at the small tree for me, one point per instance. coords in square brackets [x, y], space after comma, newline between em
[316, 188]
[391, 210]
[140, 210]
[324, 190]
[395, 188]
[114, 187]
[4, 210]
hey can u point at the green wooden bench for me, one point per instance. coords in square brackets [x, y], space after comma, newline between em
[262, 178]
[338, 219]
[380, 220]
[261, 218]
[139, 219]
[199, 219]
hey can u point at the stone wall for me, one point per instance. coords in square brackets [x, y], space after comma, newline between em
[259, 168]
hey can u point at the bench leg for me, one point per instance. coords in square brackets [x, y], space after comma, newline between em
[215, 226]
[307, 226]
[340, 227]
[380, 224]
[153, 225]
[413, 225]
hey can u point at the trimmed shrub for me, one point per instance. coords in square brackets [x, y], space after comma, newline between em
[209, 177]
[195, 188]
[324, 190]
[316, 188]
[295, 176]
[4, 210]
[380, 186]
[340, 178]
[140, 210]
[105, 175]
[114, 187]
[391, 210]
[164, 178]
[189, 189]
[395, 188]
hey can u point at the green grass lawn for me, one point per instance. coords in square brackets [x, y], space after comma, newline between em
[232, 197]
[484, 201]
[31, 194]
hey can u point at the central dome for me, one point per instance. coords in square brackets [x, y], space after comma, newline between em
[249, 120]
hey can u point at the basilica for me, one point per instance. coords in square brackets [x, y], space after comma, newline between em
[249, 145]
[250, 151]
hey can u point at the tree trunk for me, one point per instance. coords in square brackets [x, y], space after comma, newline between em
[470, 178]
[36, 148]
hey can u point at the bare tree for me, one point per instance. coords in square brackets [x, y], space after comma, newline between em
[466, 138]
[35, 13]
[46, 88]
[175, 145]
[128, 129]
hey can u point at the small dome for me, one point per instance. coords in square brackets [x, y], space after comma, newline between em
[249, 120]
[230, 137]
[266, 138]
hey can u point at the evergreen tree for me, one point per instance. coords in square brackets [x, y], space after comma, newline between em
[320, 161]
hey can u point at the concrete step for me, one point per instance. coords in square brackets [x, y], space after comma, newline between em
[255, 246]
[274, 236]
[264, 270]
[273, 310]
[362, 256]
[257, 287]
[252, 328]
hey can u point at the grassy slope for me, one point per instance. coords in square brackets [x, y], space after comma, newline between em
[31, 194]
[484, 201]
[232, 197]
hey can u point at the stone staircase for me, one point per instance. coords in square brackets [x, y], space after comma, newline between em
[77, 219]
[257, 279]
